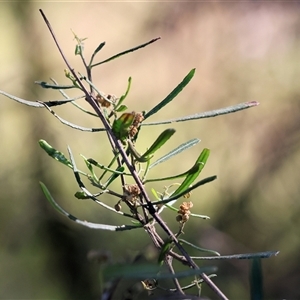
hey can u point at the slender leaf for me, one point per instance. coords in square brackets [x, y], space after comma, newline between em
[88, 193]
[125, 52]
[175, 151]
[165, 248]
[47, 85]
[208, 114]
[57, 155]
[37, 104]
[114, 176]
[194, 169]
[95, 163]
[266, 254]
[119, 107]
[91, 169]
[172, 95]
[96, 51]
[159, 142]
[198, 248]
[74, 126]
[194, 186]
[201, 160]
[84, 223]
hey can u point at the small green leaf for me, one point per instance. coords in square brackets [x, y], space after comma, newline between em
[125, 52]
[119, 107]
[121, 125]
[172, 95]
[175, 151]
[57, 155]
[266, 254]
[192, 177]
[96, 51]
[166, 247]
[155, 194]
[207, 114]
[79, 49]
[198, 248]
[194, 169]
[84, 223]
[81, 195]
[99, 48]
[95, 163]
[113, 176]
[47, 85]
[91, 169]
[161, 140]
[184, 192]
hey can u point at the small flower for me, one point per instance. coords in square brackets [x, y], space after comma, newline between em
[184, 212]
[131, 192]
[103, 102]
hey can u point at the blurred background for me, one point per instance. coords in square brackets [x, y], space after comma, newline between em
[241, 51]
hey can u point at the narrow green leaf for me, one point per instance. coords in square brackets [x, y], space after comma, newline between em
[184, 192]
[119, 107]
[191, 177]
[256, 280]
[172, 95]
[57, 155]
[266, 254]
[154, 193]
[175, 151]
[47, 85]
[125, 52]
[198, 248]
[84, 223]
[160, 141]
[95, 163]
[81, 195]
[90, 167]
[74, 126]
[114, 176]
[79, 49]
[208, 114]
[194, 169]
[96, 51]
[165, 248]
[87, 192]
[23, 101]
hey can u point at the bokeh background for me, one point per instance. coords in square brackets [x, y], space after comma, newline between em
[242, 52]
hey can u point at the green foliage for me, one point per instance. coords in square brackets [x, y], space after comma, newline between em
[122, 128]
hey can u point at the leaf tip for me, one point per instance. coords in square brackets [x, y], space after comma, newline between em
[252, 103]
